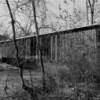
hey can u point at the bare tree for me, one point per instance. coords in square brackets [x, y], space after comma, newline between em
[38, 43]
[92, 9]
[28, 89]
[87, 11]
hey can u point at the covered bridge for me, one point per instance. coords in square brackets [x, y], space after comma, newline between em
[65, 46]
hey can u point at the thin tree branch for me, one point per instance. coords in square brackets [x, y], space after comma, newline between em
[90, 4]
[14, 40]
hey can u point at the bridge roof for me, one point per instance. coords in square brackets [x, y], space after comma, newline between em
[59, 32]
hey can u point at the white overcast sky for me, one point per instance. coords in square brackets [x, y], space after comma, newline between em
[51, 4]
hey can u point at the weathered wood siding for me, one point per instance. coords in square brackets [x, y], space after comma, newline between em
[8, 49]
[45, 43]
[98, 49]
[74, 45]
[27, 47]
[64, 46]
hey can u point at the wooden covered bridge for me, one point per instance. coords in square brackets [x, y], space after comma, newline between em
[71, 44]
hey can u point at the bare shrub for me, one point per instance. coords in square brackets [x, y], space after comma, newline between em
[51, 84]
[64, 75]
[30, 64]
[51, 77]
[21, 95]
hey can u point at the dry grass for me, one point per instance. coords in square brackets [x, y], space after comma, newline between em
[58, 77]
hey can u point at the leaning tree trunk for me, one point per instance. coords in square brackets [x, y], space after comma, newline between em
[14, 40]
[26, 88]
[38, 44]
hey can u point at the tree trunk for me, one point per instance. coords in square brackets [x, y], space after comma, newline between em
[91, 4]
[87, 12]
[38, 44]
[92, 17]
[26, 88]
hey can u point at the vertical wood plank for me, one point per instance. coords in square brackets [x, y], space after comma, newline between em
[60, 48]
[1, 51]
[28, 47]
[98, 50]
[5, 50]
[28, 51]
[25, 48]
[40, 46]
[51, 48]
[56, 47]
